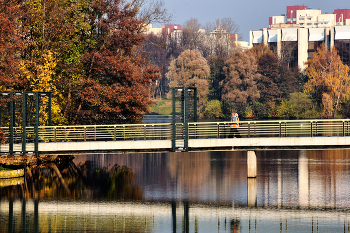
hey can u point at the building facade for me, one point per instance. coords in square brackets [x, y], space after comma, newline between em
[297, 45]
[296, 36]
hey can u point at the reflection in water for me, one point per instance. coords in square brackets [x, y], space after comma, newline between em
[295, 191]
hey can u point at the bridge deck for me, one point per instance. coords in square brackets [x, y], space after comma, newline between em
[194, 144]
[201, 136]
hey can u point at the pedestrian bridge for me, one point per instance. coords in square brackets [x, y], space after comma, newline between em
[254, 135]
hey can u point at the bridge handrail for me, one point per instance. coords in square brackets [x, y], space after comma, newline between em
[163, 131]
[271, 128]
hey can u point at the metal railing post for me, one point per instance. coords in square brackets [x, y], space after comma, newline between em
[285, 129]
[115, 133]
[11, 125]
[316, 129]
[280, 129]
[218, 130]
[95, 133]
[49, 110]
[24, 122]
[311, 128]
[37, 123]
[173, 142]
[123, 132]
[248, 129]
[195, 104]
[186, 118]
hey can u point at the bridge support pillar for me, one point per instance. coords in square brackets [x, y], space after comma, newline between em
[252, 192]
[251, 181]
[251, 164]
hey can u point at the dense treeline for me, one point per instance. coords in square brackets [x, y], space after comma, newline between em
[255, 82]
[101, 68]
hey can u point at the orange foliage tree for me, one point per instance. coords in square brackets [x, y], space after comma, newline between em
[190, 69]
[115, 86]
[328, 80]
[9, 46]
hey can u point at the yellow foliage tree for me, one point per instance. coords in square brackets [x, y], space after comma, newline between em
[40, 78]
[328, 79]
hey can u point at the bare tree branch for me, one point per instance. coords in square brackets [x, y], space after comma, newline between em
[152, 11]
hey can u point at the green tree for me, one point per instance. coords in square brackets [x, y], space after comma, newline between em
[213, 109]
[299, 105]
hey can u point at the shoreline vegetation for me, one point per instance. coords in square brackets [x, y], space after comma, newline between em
[15, 166]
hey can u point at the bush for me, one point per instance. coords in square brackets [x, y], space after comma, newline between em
[213, 109]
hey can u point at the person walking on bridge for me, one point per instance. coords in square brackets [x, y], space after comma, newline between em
[234, 126]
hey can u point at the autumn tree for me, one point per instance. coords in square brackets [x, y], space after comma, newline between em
[190, 69]
[239, 88]
[53, 48]
[328, 79]
[277, 81]
[217, 74]
[115, 87]
[84, 53]
[10, 78]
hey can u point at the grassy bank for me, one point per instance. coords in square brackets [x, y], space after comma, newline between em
[161, 107]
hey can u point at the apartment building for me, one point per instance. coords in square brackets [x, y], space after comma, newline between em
[296, 36]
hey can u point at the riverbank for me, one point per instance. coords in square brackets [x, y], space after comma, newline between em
[25, 160]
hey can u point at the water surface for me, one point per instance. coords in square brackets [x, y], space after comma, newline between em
[295, 191]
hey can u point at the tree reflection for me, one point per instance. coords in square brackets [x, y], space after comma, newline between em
[63, 179]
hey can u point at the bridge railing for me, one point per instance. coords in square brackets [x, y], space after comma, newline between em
[94, 132]
[163, 131]
[271, 128]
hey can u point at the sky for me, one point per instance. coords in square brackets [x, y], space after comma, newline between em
[248, 15]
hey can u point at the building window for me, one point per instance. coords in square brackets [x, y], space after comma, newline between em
[343, 47]
[309, 18]
[309, 23]
[313, 45]
[289, 53]
[301, 18]
[273, 47]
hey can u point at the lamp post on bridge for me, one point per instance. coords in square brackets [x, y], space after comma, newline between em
[29, 105]
[184, 113]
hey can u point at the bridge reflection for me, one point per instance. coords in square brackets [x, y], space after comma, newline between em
[58, 216]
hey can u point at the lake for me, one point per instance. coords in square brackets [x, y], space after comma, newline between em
[295, 191]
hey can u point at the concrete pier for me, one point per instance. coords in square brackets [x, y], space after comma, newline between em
[251, 164]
